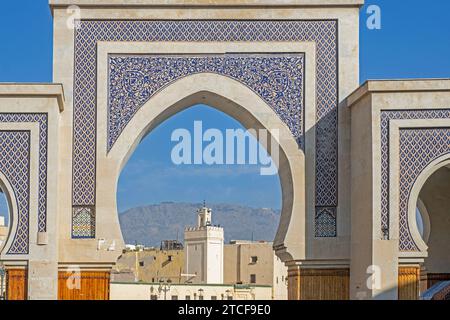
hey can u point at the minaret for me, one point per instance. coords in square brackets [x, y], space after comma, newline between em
[204, 216]
[203, 249]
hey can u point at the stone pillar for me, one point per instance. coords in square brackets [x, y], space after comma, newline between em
[42, 280]
[374, 253]
[423, 279]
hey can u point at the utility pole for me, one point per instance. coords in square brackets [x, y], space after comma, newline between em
[164, 287]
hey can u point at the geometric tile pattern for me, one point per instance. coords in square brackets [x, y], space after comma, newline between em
[83, 222]
[325, 223]
[322, 32]
[276, 78]
[386, 117]
[42, 120]
[418, 148]
[15, 166]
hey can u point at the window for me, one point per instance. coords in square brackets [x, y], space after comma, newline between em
[229, 298]
[174, 297]
[253, 278]
[169, 258]
[141, 263]
[187, 298]
[200, 297]
[153, 297]
[253, 259]
[213, 297]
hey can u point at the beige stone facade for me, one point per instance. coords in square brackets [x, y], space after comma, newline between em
[398, 112]
[149, 265]
[353, 170]
[250, 263]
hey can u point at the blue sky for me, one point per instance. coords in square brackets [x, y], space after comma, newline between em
[414, 42]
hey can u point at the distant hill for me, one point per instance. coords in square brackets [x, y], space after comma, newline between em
[150, 224]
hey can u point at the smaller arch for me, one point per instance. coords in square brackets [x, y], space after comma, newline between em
[413, 201]
[13, 213]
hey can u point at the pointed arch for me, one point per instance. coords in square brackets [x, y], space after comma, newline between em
[239, 102]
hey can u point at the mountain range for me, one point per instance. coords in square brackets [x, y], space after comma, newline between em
[149, 225]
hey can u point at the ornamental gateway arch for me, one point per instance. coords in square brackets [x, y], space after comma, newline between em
[356, 162]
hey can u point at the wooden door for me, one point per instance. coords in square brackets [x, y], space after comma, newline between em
[408, 283]
[87, 285]
[16, 284]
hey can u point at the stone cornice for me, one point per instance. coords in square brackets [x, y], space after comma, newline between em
[407, 85]
[206, 3]
[36, 90]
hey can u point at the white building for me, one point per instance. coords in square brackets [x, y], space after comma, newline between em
[165, 291]
[203, 250]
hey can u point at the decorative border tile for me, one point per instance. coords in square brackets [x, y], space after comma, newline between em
[15, 166]
[323, 33]
[21, 238]
[42, 119]
[418, 148]
[406, 242]
[276, 78]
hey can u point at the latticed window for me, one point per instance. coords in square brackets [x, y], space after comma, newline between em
[325, 223]
[83, 222]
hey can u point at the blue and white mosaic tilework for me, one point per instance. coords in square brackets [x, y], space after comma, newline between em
[277, 79]
[41, 119]
[418, 148]
[21, 238]
[323, 33]
[406, 243]
[15, 166]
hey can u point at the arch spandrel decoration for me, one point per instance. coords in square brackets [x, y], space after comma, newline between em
[418, 148]
[322, 33]
[277, 78]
